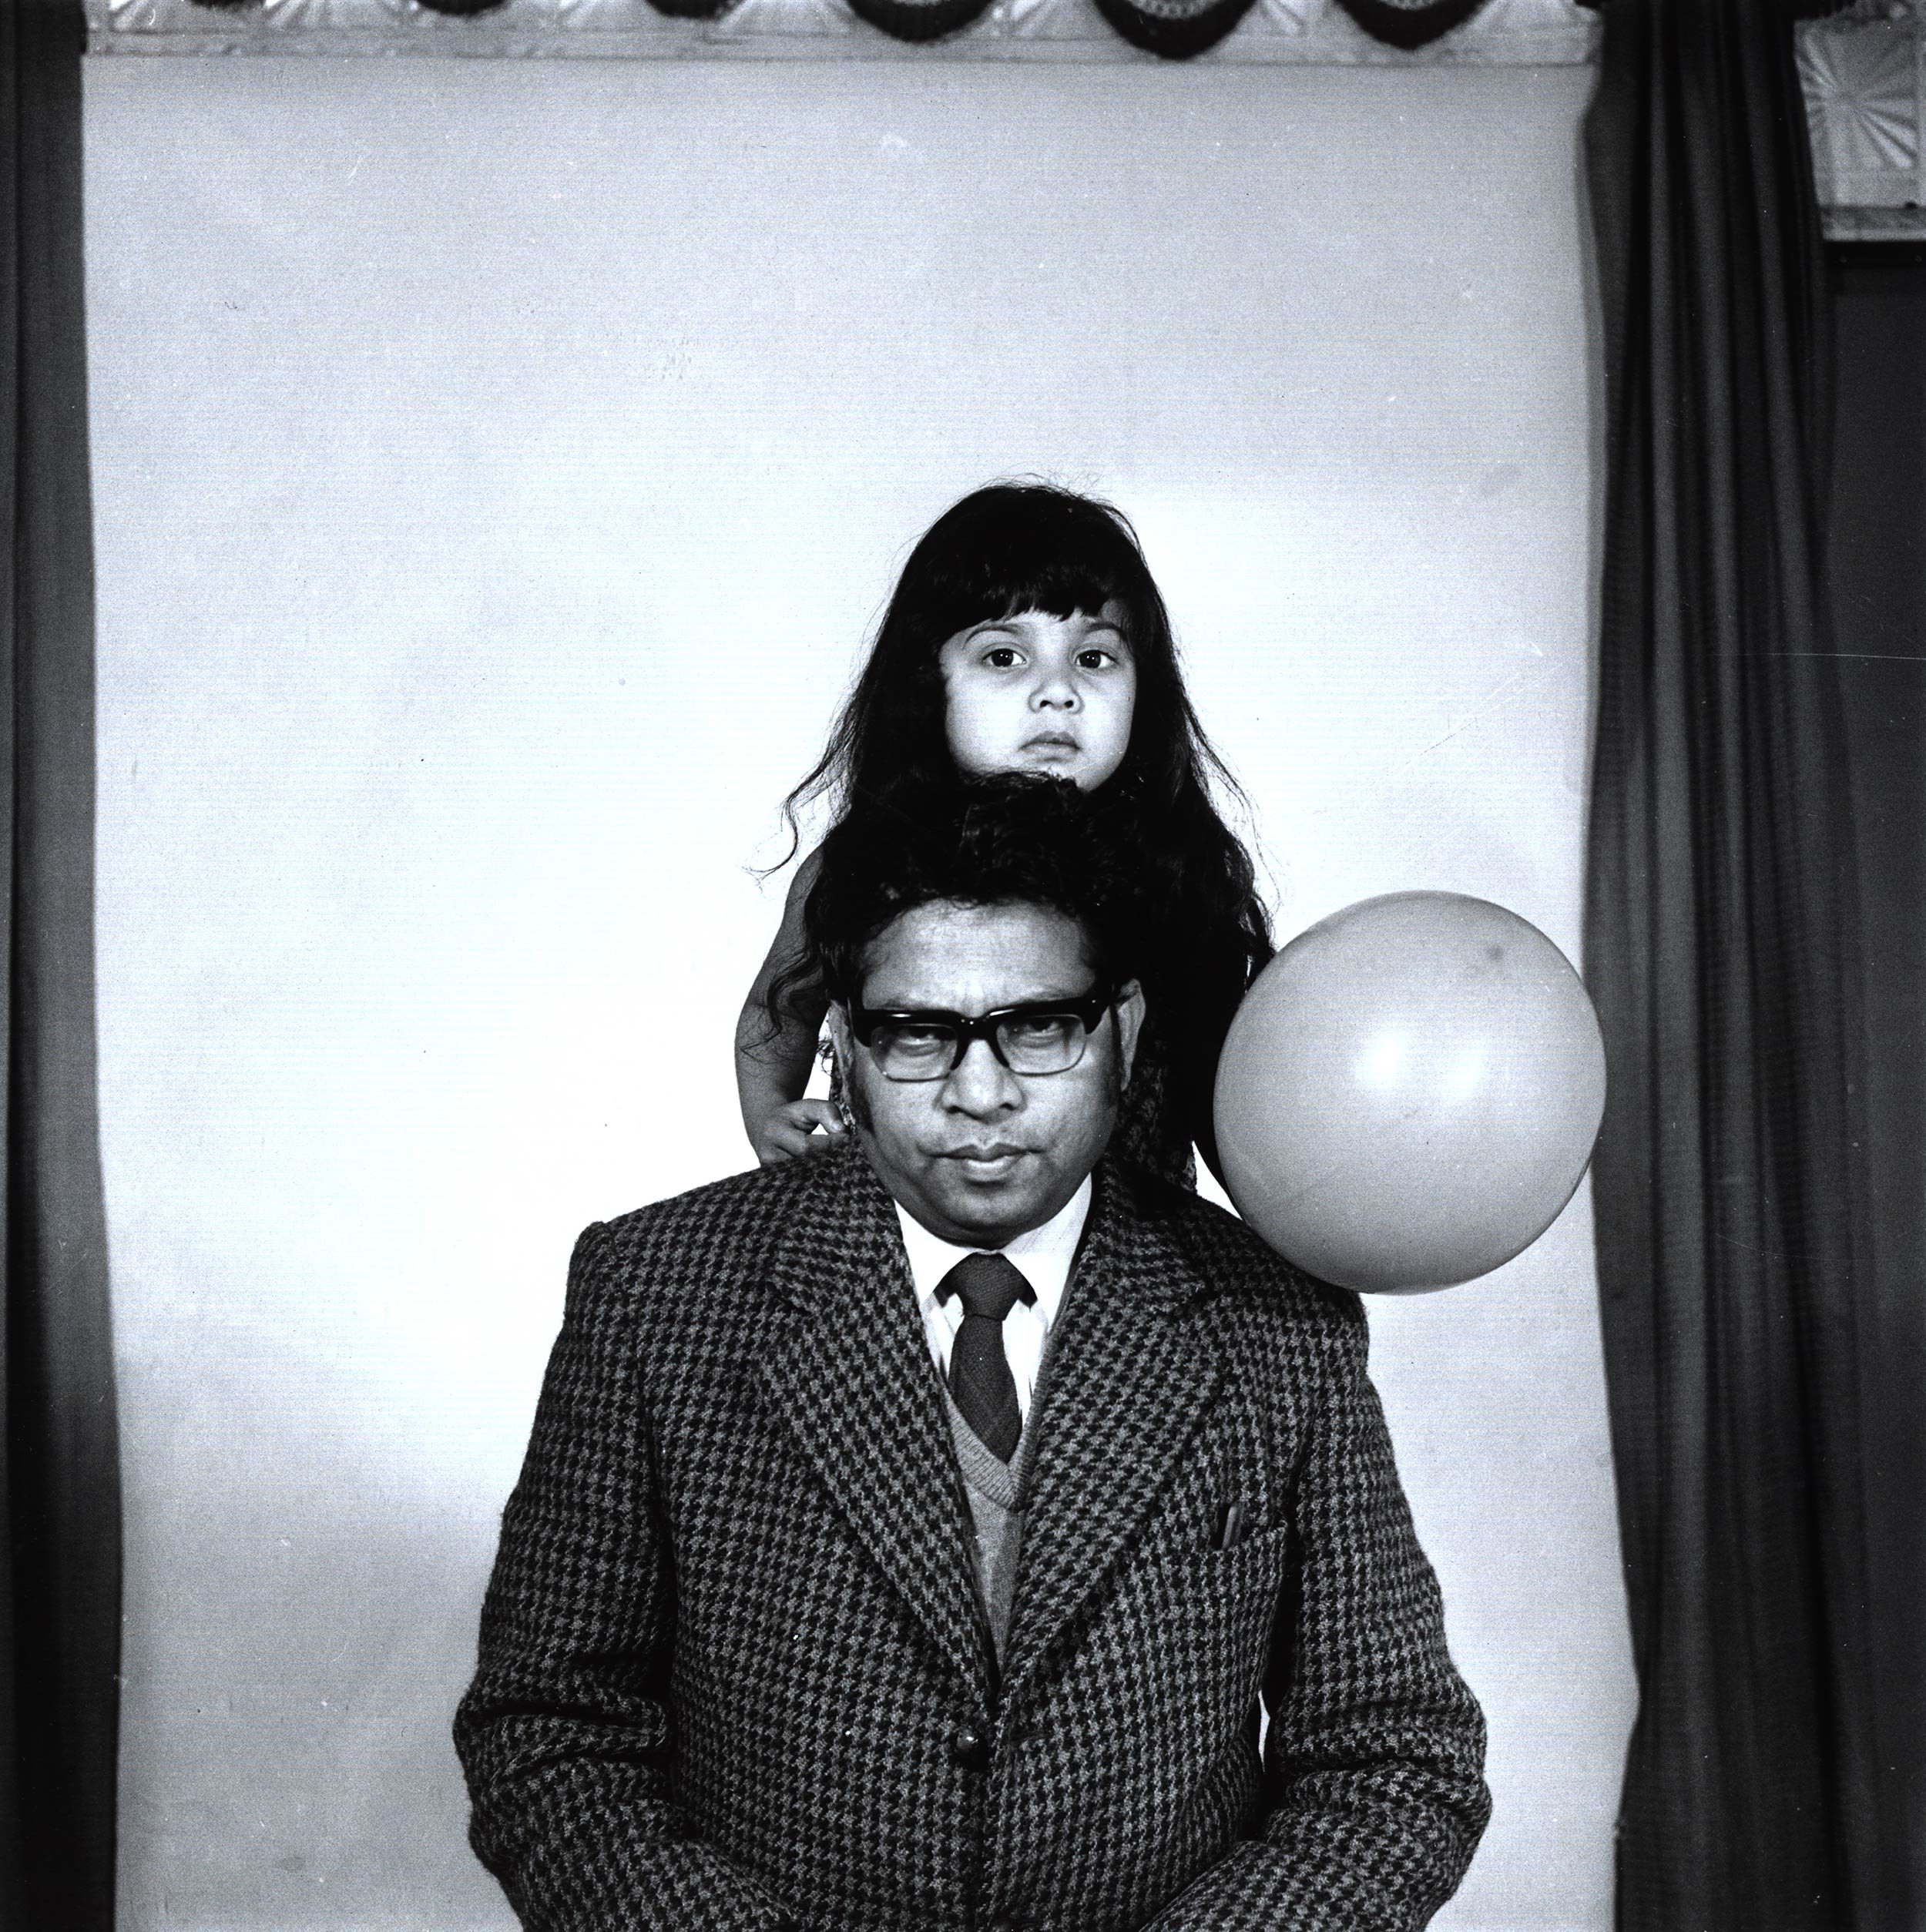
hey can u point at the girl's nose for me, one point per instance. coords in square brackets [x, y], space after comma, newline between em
[1055, 691]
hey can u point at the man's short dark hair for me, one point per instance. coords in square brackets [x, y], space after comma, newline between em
[973, 842]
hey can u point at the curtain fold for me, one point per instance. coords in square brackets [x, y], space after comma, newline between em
[59, 1480]
[1719, 927]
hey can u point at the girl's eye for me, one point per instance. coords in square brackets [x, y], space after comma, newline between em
[1095, 658]
[1002, 657]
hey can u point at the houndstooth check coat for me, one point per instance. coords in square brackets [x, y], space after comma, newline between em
[733, 1671]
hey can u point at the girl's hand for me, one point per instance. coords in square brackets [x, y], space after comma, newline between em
[786, 1134]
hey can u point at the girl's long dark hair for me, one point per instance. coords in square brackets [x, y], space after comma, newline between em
[1016, 547]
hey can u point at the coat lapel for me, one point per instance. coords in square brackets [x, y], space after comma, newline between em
[848, 1369]
[1130, 1380]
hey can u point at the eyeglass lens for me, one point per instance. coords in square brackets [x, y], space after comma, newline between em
[1025, 1043]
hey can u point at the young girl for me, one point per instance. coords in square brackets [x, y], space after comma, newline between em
[1026, 635]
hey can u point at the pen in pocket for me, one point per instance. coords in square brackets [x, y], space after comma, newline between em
[1232, 1526]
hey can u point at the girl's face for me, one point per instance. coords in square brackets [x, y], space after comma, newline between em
[1038, 693]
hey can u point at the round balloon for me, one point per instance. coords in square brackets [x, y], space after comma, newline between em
[1409, 1093]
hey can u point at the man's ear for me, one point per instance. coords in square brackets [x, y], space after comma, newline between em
[1128, 1007]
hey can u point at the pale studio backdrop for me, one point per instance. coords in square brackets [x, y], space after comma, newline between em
[499, 466]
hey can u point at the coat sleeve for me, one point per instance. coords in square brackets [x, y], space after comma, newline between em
[1375, 1756]
[564, 1735]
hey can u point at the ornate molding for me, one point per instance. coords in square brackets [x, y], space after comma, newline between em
[1864, 72]
[1294, 32]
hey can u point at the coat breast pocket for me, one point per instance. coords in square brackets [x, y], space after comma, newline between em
[1211, 1612]
[1216, 1581]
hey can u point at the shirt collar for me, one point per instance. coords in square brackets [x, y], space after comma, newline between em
[1043, 1254]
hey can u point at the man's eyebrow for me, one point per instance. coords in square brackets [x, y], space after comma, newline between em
[1064, 996]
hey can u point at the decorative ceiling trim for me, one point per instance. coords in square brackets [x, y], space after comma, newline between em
[1864, 72]
[1504, 33]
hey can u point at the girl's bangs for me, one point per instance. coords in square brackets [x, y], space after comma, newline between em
[1059, 586]
[1011, 548]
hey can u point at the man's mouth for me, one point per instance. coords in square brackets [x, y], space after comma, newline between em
[989, 1161]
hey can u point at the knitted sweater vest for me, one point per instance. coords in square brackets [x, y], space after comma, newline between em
[997, 1491]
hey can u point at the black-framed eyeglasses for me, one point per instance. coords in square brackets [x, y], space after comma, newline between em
[1039, 1037]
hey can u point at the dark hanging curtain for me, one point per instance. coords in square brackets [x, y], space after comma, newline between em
[59, 1484]
[1720, 945]
[1877, 558]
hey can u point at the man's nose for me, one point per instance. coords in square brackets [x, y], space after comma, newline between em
[980, 1084]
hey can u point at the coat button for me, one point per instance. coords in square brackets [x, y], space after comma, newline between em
[968, 1747]
[1000, 1925]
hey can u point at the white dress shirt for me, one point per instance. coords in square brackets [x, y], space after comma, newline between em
[1043, 1256]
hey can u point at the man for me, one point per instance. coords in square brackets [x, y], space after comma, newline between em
[910, 1537]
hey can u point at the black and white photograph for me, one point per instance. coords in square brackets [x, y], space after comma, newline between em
[966, 966]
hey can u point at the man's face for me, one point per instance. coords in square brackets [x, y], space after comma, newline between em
[984, 1154]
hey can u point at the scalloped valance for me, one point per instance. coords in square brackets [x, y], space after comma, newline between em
[1175, 29]
[1471, 32]
[1863, 68]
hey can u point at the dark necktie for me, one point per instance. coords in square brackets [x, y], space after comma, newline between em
[988, 1287]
